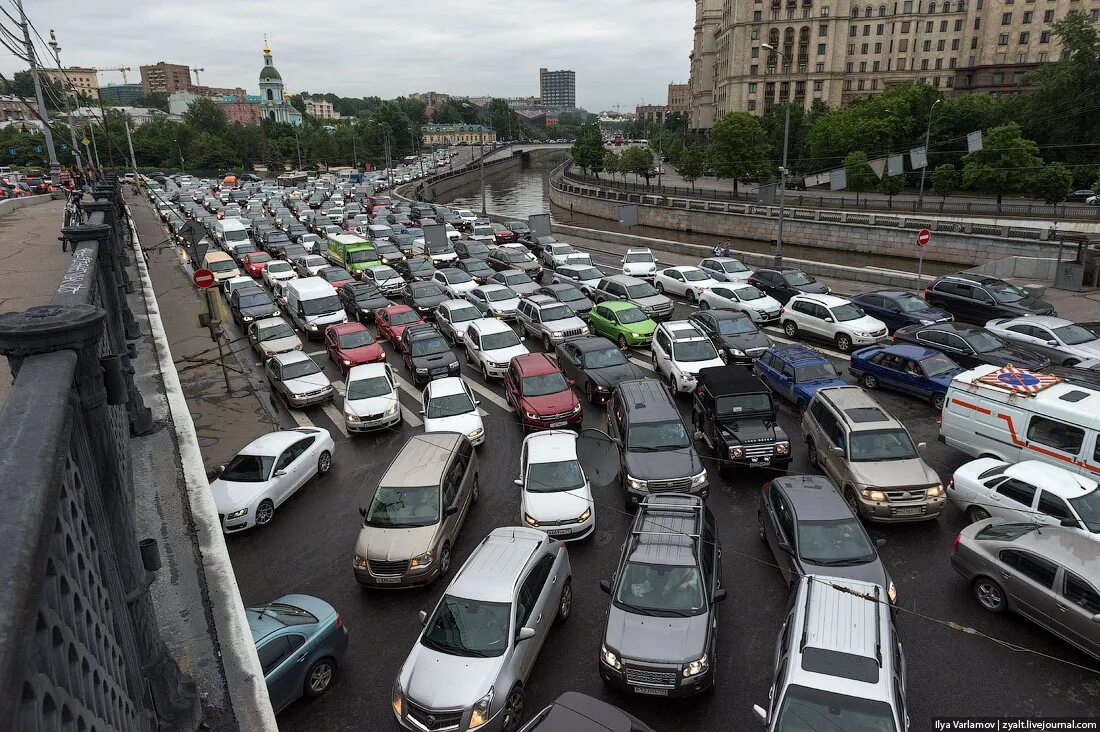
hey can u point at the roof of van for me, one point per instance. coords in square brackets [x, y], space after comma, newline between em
[231, 224]
[348, 239]
[647, 400]
[421, 461]
[310, 286]
[492, 571]
[1070, 402]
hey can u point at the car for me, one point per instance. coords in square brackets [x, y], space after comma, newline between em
[448, 405]
[415, 269]
[726, 269]
[575, 712]
[388, 251]
[490, 346]
[1081, 195]
[832, 319]
[870, 457]
[370, 398]
[661, 627]
[452, 316]
[269, 336]
[810, 529]
[278, 271]
[584, 277]
[554, 492]
[454, 282]
[733, 413]
[795, 372]
[514, 257]
[300, 641]
[639, 292]
[555, 254]
[266, 472]
[361, 299]
[921, 372]
[387, 279]
[1035, 571]
[733, 333]
[596, 365]
[516, 584]
[336, 276]
[549, 321]
[310, 265]
[494, 301]
[424, 297]
[254, 303]
[503, 235]
[351, 344]
[240, 251]
[639, 263]
[783, 283]
[541, 395]
[519, 228]
[255, 263]
[441, 254]
[535, 243]
[744, 298]
[569, 295]
[427, 354]
[474, 248]
[232, 284]
[690, 282]
[623, 322]
[292, 252]
[898, 309]
[979, 298]
[297, 379]
[679, 351]
[516, 280]
[391, 322]
[1085, 373]
[970, 345]
[477, 269]
[1062, 341]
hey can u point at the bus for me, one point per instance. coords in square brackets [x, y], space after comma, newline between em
[291, 180]
[353, 253]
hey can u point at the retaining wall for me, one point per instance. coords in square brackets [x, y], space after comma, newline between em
[10, 204]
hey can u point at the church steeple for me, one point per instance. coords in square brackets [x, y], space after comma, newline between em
[267, 53]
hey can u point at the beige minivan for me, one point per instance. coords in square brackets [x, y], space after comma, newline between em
[414, 518]
[221, 264]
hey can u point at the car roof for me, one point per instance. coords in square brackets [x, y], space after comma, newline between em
[534, 364]
[275, 442]
[576, 712]
[349, 327]
[682, 330]
[813, 497]
[840, 621]
[725, 380]
[616, 305]
[421, 460]
[538, 299]
[493, 286]
[681, 268]
[666, 529]
[626, 279]
[393, 309]
[591, 343]
[1063, 545]
[906, 350]
[496, 565]
[829, 301]
[551, 446]
[291, 357]
[727, 314]
[455, 303]
[797, 354]
[490, 325]
[366, 371]
[1047, 320]
[446, 386]
[1052, 478]
[647, 400]
[858, 408]
[638, 250]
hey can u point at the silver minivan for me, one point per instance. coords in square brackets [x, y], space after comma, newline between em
[413, 520]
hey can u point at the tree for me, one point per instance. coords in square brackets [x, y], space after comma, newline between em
[945, 179]
[637, 160]
[611, 162]
[692, 164]
[1005, 164]
[588, 149]
[738, 146]
[891, 185]
[1052, 182]
[861, 177]
[205, 115]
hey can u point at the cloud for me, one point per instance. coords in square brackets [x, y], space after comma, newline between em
[624, 51]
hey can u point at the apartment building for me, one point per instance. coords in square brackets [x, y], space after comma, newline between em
[558, 88]
[320, 108]
[165, 78]
[679, 98]
[75, 80]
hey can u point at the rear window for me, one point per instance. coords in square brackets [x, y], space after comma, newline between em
[1004, 532]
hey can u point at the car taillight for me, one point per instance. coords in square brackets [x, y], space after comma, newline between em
[957, 538]
[339, 620]
[951, 484]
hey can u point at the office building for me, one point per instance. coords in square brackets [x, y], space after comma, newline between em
[165, 78]
[76, 81]
[121, 94]
[679, 98]
[651, 113]
[558, 88]
[456, 134]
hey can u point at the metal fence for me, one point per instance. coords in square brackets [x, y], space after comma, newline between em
[80, 646]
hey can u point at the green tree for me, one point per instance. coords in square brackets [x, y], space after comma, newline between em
[861, 177]
[611, 162]
[588, 149]
[205, 115]
[637, 160]
[1005, 164]
[1052, 182]
[692, 164]
[738, 147]
[891, 185]
[945, 180]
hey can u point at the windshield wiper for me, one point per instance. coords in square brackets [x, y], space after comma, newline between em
[637, 608]
[839, 562]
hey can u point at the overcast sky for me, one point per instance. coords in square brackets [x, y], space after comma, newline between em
[625, 52]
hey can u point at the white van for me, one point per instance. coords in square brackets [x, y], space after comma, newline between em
[1014, 415]
[231, 233]
[312, 304]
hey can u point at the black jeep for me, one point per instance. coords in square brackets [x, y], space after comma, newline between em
[732, 411]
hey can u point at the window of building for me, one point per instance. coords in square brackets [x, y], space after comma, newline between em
[951, 63]
[958, 25]
[757, 16]
[863, 48]
[970, 62]
[819, 85]
[999, 58]
[951, 81]
[878, 48]
[825, 12]
[940, 44]
[977, 23]
[874, 66]
[924, 64]
[1002, 40]
[1048, 16]
[939, 63]
[1094, 15]
[755, 52]
[1006, 18]
[823, 30]
[901, 64]
[1044, 37]
[819, 67]
[907, 6]
[752, 87]
[859, 85]
[752, 105]
[905, 26]
[849, 67]
[754, 70]
[853, 31]
[855, 11]
[903, 45]
[862, 66]
[998, 78]
[943, 26]
[775, 15]
[927, 46]
[821, 49]
[867, 30]
[1027, 16]
[1025, 37]
[847, 85]
[931, 7]
[973, 45]
[879, 29]
[790, 15]
[755, 35]
[955, 44]
[978, 4]
[1042, 56]
[851, 48]
[960, 6]
[1018, 76]
[805, 13]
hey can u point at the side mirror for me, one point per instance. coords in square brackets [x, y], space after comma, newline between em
[605, 585]
[362, 512]
[880, 543]
[518, 482]
[477, 402]
[719, 595]
[422, 412]
[279, 474]
[571, 382]
[525, 633]
[451, 511]
[1052, 343]
[838, 450]
[828, 320]
[423, 617]
[1096, 618]
[922, 445]
[622, 297]
[760, 713]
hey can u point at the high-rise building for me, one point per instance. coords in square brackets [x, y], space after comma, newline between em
[75, 80]
[679, 98]
[165, 78]
[558, 88]
[121, 94]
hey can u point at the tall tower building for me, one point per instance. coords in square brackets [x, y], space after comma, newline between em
[558, 88]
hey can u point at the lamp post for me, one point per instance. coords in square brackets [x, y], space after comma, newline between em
[481, 160]
[783, 167]
[298, 145]
[56, 49]
[927, 138]
[386, 149]
[179, 149]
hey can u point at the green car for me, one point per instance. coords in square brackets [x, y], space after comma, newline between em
[622, 322]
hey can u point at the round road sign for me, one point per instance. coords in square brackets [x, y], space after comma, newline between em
[923, 237]
[203, 278]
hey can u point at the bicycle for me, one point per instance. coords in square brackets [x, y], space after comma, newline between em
[74, 214]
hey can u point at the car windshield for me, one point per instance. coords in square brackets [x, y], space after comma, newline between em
[688, 351]
[358, 256]
[248, 469]
[403, 507]
[375, 386]
[557, 312]
[642, 289]
[815, 372]
[450, 405]
[798, 277]
[457, 277]
[426, 290]
[871, 446]
[384, 273]
[748, 294]
[626, 316]
[733, 265]
[499, 295]
[846, 312]
[257, 257]
[443, 248]
[478, 267]
[504, 339]
[404, 317]
[335, 274]
[1088, 509]
[565, 475]
[321, 305]
[428, 346]
[461, 315]
[658, 436]
[281, 330]
[660, 589]
[813, 710]
[1073, 335]
[254, 299]
[938, 365]
[695, 275]
[277, 266]
[356, 339]
[298, 369]
[516, 279]
[570, 294]
[1004, 292]
[983, 342]
[742, 403]
[416, 265]
[736, 326]
[221, 265]
[587, 273]
[603, 359]
[910, 303]
[552, 383]
[638, 257]
[834, 543]
[462, 627]
[480, 231]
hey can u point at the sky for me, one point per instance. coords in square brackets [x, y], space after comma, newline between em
[625, 52]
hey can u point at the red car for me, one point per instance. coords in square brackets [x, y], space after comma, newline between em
[534, 385]
[351, 344]
[255, 262]
[503, 235]
[392, 321]
[336, 276]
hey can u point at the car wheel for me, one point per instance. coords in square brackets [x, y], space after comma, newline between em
[869, 381]
[546, 344]
[565, 605]
[475, 491]
[704, 305]
[691, 297]
[990, 595]
[852, 501]
[812, 450]
[324, 462]
[320, 677]
[264, 512]
[938, 401]
[590, 393]
[485, 372]
[843, 343]
[622, 342]
[976, 513]
[760, 527]
[671, 379]
[513, 709]
[790, 329]
[660, 288]
[444, 559]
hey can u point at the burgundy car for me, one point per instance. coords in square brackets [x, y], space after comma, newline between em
[392, 321]
[336, 276]
[503, 235]
[534, 385]
[255, 262]
[351, 344]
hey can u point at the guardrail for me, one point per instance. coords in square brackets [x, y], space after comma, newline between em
[80, 646]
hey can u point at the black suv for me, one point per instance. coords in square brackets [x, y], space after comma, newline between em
[427, 354]
[783, 283]
[656, 454]
[733, 412]
[970, 345]
[978, 299]
[732, 333]
[661, 626]
[252, 303]
[361, 299]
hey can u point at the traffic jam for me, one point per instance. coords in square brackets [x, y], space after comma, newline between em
[538, 442]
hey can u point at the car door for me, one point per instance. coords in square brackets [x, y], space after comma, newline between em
[1052, 508]
[662, 352]
[332, 345]
[274, 375]
[956, 347]
[281, 667]
[527, 609]
[833, 462]
[675, 282]
[1074, 610]
[283, 475]
[1028, 580]
[774, 531]
[801, 313]
[472, 341]
[598, 319]
[1009, 498]
[452, 501]
[1040, 341]
[547, 586]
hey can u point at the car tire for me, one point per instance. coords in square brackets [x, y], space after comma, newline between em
[704, 305]
[485, 372]
[444, 559]
[989, 594]
[623, 345]
[265, 512]
[937, 401]
[475, 490]
[324, 462]
[790, 329]
[660, 288]
[565, 604]
[691, 296]
[852, 501]
[546, 344]
[319, 678]
[671, 381]
[976, 513]
[512, 712]
[843, 343]
[869, 381]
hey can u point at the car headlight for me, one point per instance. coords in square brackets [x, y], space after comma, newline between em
[924, 321]
[422, 560]
[352, 417]
[698, 480]
[313, 326]
[452, 365]
[736, 352]
[577, 407]
[584, 516]
[873, 495]
[610, 658]
[531, 415]
[237, 514]
[479, 715]
[398, 700]
[557, 334]
[422, 371]
[247, 318]
[636, 484]
[737, 452]
[392, 410]
[530, 520]
[299, 396]
[359, 562]
[347, 362]
[696, 667]
[782, 448]
[476, 432]
[892, 593]
[652, 270]
[584, 329]
[602, 388]
[935, 491]
[637, 335]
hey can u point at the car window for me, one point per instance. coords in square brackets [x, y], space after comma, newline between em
[786, 520]
[1058, 435]
[1039, 570]
[531, 589]
[1018, 491]
[1052, 505]
[1079, 592]
[452, 482]
[274, 652]
[932, 336]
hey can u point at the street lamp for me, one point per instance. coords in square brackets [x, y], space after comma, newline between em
[783, 167]
[178, 149]
[927, 137]
[481, 160]
[386, 148]
[298, 145]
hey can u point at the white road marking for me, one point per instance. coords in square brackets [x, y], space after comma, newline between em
[301, 419]
[406, 386]
[336, 417]
[488, 394]
[411, 417]
[322, 352]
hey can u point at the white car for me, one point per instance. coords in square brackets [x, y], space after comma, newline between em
[452, 317]
[449, 406]
[269, 336]
[385, 278]
[584, 277]
[482, 232]
[1062, 341]
[680, 351]
[754, 302]
[452, 233]
[310, 242]
[689, 282]
[490, 346]
[1028, 491]
[556, 254]
[640, 263]
[832, 318]
[468, 217]
[494, 301]
[455, 282]
[310, 265]
[556, 496]
[370, 399]
[726, 269]
[233, 284]
[266, 473]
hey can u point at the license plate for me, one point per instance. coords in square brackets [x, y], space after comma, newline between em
[557, 532]
[387, 580]
[650, 692]
[907, 511]
[557, 424]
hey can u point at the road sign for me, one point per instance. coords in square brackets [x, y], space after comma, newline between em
[64, 146]
[38, 148]
[194, 237]
[203, 278]
[11, 151]
[85, 142]
[923, 237]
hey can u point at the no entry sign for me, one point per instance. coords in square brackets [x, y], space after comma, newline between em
[203, 278]
[923, 237]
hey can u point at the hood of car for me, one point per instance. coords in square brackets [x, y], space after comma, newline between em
[663, 465]
[504, 355]
[653, 301]
[230, 496]
[747, 341]
[647, 638]
[1090, 349]
[255, 311]
[372, 303]
[463, 423]
[434, 360]
[1031, 305]
[557, 403]
[280, 345]
[866, 324]
[370, 405]
[442, 681]
[766, 304]
[872, 571]
[813, 288]
[558, 506]
[304, 384]
[361, 353]
[565, 324]
[890, 474]
[429, 301]
[394, 545]
[748, 430]
[612, 376]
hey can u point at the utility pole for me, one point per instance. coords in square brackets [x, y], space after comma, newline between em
[55, 169]
[927, 139]
[68, 107]
[95, 145]
[130, 143]
[783, 167]
[298, 145]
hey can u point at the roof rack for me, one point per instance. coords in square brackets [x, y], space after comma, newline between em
[694, 509]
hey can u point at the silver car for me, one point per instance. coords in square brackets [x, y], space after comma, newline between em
[272, 335]
[470, 665]
[298, 379]
[1062, 341]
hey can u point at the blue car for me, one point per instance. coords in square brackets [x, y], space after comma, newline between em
[301, 642]
[915, 370]
[796, 372]
[898, 309]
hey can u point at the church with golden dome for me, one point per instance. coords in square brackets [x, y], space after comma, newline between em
[274, 100]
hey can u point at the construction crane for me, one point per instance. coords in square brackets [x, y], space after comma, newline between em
[122, 69]
[197, 81]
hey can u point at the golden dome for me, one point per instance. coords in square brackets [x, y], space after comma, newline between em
[267, 49]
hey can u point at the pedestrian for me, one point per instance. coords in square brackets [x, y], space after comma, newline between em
[726, 249]
[717, 249]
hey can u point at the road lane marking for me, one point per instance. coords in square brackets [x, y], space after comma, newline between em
[411, 417]
[489, 394]
[336, 417]
[300, 418]
[648, 366]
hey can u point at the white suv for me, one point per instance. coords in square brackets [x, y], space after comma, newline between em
[490, 345]
[640, 263]
[834, 319]
[680, 351]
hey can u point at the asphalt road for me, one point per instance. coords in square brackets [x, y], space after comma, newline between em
[308, 549]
